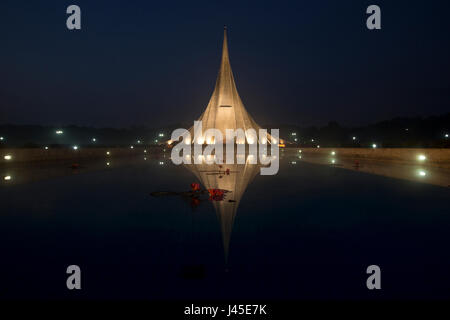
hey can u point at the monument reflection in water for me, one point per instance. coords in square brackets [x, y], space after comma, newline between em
[233, 178]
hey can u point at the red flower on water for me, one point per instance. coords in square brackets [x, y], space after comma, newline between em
[216, 194]
[195, 186]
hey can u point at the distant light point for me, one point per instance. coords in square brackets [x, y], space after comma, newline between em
[75, 147]
[421, 157]
[7, 178]
[374, 146]
[7, 157]
[59, 132]
[422, 173]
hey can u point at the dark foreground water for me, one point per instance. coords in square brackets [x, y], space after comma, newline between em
[309, 232]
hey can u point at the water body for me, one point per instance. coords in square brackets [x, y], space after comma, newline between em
[309, 232]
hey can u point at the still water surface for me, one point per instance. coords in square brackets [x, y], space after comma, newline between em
[307, 233]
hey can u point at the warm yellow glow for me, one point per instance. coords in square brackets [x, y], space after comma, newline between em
[7, 178]
[169, 142]
[200, 158]
[333, 153]
[422, 173]
[318, 147]
[200, 140]
[145, 151]
[7, 157]
[333, 161]
[264, 140]
[250, 140]
[282, 145]
[421, 157]
[300, 151]
[107, 153]
[374, 146]
[107, 163]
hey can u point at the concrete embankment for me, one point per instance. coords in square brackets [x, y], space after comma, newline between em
[434, 157]
[23, 155]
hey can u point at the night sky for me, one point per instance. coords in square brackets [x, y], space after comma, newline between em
[155, 62]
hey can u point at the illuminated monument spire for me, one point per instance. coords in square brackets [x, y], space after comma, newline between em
[225, 109]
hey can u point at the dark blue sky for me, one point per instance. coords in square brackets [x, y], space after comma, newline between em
[155, 62]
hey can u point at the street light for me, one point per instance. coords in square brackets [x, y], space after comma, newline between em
[421, 157]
